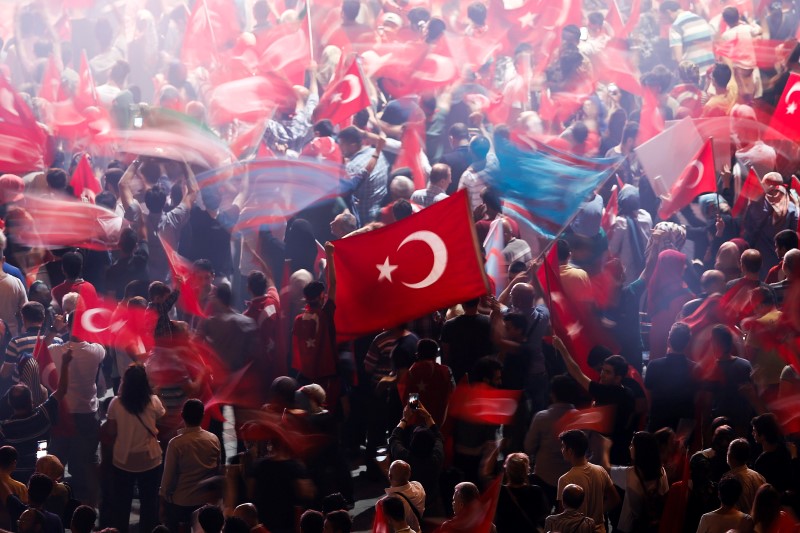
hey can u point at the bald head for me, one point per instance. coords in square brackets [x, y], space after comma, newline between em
[464, 494]
[440, 175]
[572, 496]
[750, 261]
[791, 263]
[399, 473]
[712, 281]
[248, 513]
[522, 296]
[401, 187]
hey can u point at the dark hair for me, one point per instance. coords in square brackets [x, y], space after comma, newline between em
[480, 147]
[224, 294]
[562, 388]
[731, 16]
[234, 524]
[20, 397]
[575, 441]
[517, 320]
[155, 198]
[422, 442]
[767, 426]
[427, 349]
[619, 364]
[562, 249]
[333, 502]
[257, 283]
[32, 312]
[312, 521]
[157, 288]
[679, 336]
[211, 198]
[56, 178]
[573, 499]
[721, 74]
[106, 199]
[580, 132]
[485, 368]
[402, 209]
[72, 264]
[119, 71]
[351, 134]
[729, 490]
[766, 507]
[135, 392]
[739, 450]
[203, 265]
[571, 29]
[723, 336]
[459, 131]
[417, 15]
[647, 459]
[150, 171]
[127, 240]
[669, 5]
[471, 303]
[350, 9]
[39, 488]
[282, 390]
[313, 290]
[135, 288]
[630, 131]
[393, 508]
[491, 198]
[340, 520]
[476, 12]
[192, 412]
[83, 519]
[8, 456]
[516, 267]
[597, 356]
[210, 518]
[324, 128]
[786, 239]
[596, 18]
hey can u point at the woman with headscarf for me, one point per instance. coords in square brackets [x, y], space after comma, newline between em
[715, 227]
[666, 294]
[630, 232]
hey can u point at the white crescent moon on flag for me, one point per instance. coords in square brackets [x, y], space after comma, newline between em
[355, 87]
[790, 92]
[87, 320]
[437, 246]
[701, 169]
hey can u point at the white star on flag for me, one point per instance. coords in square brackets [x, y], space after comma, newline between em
[527, 20]
[386, 270]
[573, 329]
[791, 108]
[310, 343]
[336, 98]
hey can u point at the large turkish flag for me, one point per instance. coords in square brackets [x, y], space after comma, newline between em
[344, 98]
[697, 178]
[786, 118]
[402, 271]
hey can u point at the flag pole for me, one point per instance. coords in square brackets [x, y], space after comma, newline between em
[310, 33]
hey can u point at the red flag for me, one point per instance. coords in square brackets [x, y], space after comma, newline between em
[102, 320]
[291, 429]
[83, 178]
[379, 523]
[242, 389]
[57, 223]
[86, 93]
[752, 190]
[787, 411]
[23, 142]
[478, 515]
[48, 374]
[599, 419]
[344, 97]
[785, 119]
[248, 99]
[248, 139]
[651, 122]
[181, 268]
[611, 211]
[287, 57]
[697, 178]
[482, 404]
[50, 89]
[410, 154]
[613, 65]
[213, 26]
[402, 271]
[795, 185]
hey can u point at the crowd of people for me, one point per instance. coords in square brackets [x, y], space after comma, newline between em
[657, 387]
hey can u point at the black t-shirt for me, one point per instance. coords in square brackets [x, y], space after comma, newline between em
[469, 339]
[210, 238]
[127, 269]
[275, 496]
[622, 398]
[776, 467]
[672, 388]
[521, 509]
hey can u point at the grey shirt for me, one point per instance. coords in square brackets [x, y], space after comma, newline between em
[543, 445]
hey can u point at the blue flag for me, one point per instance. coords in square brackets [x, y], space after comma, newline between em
[547, 188]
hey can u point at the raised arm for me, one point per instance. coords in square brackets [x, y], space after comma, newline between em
[63, 378]
[125, 191]
[192, 189]
[572, 367]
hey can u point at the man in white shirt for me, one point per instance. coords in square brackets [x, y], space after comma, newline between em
[12, 295]
[437, 186]
[411, 492]
[76, 446]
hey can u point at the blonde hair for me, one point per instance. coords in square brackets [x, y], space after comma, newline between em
[518, 467]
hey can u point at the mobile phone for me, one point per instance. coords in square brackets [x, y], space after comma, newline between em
[137, 122]
[413, 400]
[41, 449]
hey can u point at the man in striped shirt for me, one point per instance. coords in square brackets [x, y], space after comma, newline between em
[436, 191]
[18, 362]
[690, 36]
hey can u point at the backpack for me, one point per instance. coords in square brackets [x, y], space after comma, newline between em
[652, 508]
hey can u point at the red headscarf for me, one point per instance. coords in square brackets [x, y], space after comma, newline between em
[667, 280]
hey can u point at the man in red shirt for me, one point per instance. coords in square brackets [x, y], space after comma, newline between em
[72, 267]
[433, 382]
[265, 309]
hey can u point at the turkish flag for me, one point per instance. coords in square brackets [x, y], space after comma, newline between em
[599, 419]
[288, 57]
[611, 211]
[248, 99]
[651, 122]
[428, 261]
[785, 119]
[58, 223]
[613, 65]
[478, 515]
[212, 26]
[50, 89]
[86, 93]
[83, 178]
[345, 97]
[483, 404]
[188, 300]
[752, 190]
[48, 375]
[102, 320]
[247, 140]
[410, 154]
[23, 142]
[697, 178]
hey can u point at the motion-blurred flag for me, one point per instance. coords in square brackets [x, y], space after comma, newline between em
[697, 178]
[57, 223]
[86, 92]
[23, 142]
[786, 119]
[181, 269]
[213, 26]
[83, 178]
[599, 419]
[482, 404]
[402, 271]
[478, 515]
[752, 190]
[410, 154]
[493, 249]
